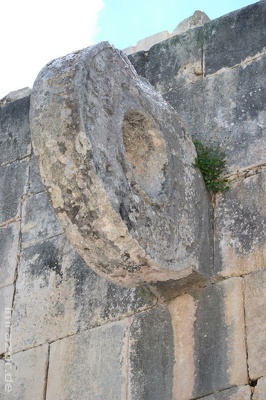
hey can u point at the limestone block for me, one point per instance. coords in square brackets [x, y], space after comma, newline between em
[6, 298]
[148, 42]
[58, 295]
[235, 118]
[90, 365]
[255, 299]
[197, 19]
[235, 393]
[15, 95]
[260, 390]
[26, 372]
[209, 337]
[35, 185]
[235, 37]
[151, 355]
[38, 220]
[118, 168]
[240, 227]
[15, 130]
[13, 183]
[173, 63]
[129, 50]
[9, 249]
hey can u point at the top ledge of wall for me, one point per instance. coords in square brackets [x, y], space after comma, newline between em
[199, 18]
[15, 95]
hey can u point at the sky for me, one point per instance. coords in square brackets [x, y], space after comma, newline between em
[34, 32]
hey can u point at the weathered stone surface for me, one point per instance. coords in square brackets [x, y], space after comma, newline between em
[234, 37]
[36, 185]
[27, 373]
[240, 227]
[220, 351]
[197, 19]
[2, 378]
[58, 295]
[13, 183]
[9, 248]
[148, 42]
[235, 118]
[38, 220]
[173, 63]
[255, 299]
[260, 390]
[6, 298]
[119, 169]
[182, 311]
[91, 365]
[170, 289]
[209, 336]
[235, 393]
[15, 95]
[151, 355]
[15, 130]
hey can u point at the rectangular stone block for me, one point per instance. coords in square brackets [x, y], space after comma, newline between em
[25, 375]
[260, 390]
[172, 63]
[57, 294]
[234, 37]
[15, 130]
[235, 393]
[209, 337]
[6, 299]
[9, 249]
[240, 227]
[38, 220]
[91, 365]
[234, 119]
[255, 300]
[35, 185]
[13, 183]
[151, 355]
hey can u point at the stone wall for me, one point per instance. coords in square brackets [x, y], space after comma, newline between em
[66, 332]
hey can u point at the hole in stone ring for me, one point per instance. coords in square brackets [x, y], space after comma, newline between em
[145, 151]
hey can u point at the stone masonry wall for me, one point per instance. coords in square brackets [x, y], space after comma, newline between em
[67, 333]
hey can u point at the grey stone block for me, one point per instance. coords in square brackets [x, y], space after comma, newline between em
[209, 336]
[139, 60]
[235, 119]
[9, 249]
[151, 355]
[255, 299]
[38, 220]
[57, 294]
[172, 63]
[235, 393]
[13, 183]
[240, 227]
[91, 365]
[260, 390]
[6, 299]
[15, 130]
[25, 375]
[235, 37]
[15, 95]
[36, 185]
[219, 325]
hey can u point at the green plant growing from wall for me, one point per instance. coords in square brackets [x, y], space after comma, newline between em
[211, 162]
